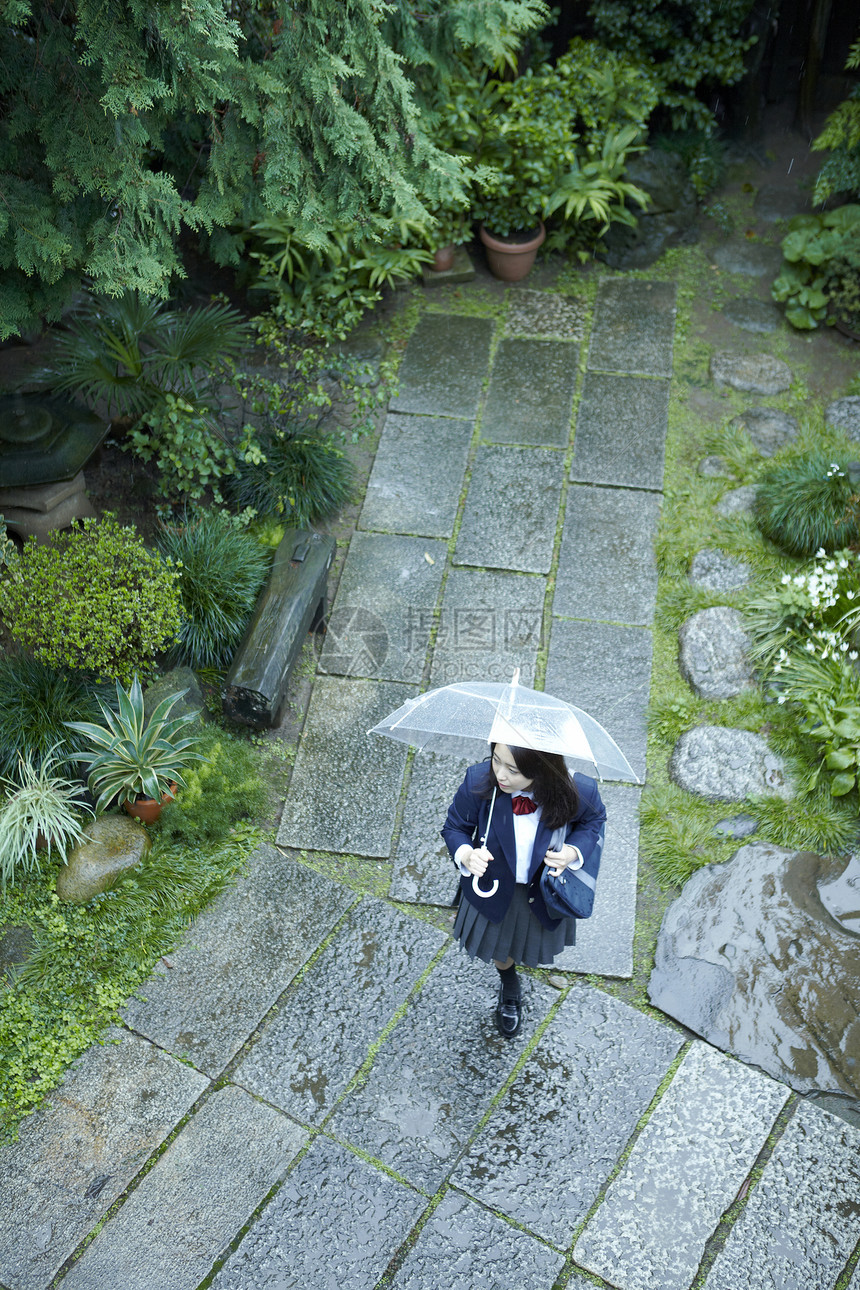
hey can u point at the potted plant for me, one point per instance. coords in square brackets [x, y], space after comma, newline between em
[452, 227]
[40, 810]
[134, 760]
[555, 139]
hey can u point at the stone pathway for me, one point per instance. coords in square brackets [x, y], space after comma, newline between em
[315, 1095]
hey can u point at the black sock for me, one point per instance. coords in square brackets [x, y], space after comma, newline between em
[510, 982]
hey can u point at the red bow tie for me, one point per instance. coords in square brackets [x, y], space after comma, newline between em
[523, 805]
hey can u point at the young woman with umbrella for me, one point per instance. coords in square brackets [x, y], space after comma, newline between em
[512, 815]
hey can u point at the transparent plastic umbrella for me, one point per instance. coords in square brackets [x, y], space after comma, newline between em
[466, 716]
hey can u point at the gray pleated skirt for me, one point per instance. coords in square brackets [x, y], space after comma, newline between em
[519, 935]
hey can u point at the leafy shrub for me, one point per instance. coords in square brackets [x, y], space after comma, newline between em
[841, 136]
[36, 701]
[688, 47]
[40, 805]
[93, 599]
[303, 475]
[810, 503]
[815, 599]
[821, 260]
[220, 572]
[224, 788]
[161, 366]
[702, 153]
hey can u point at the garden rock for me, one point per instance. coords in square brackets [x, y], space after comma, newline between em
[772, 204]
[173, 682]
[752, 315]
[114, 844]
[738, 501]
[725, 765]
[844, 414]
[713, 653]
[739, 826]
[714, 467]
[716, 571]
[752, 259]
[841, 896]
[669, 218]
[749, 959]
[768, 428]
[753, 373]
[16, 946]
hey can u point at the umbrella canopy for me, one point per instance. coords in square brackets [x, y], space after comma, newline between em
[466, 716]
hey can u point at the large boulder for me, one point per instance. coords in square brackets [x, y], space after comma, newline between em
[749, 958]
[112, 845]
[726, 765]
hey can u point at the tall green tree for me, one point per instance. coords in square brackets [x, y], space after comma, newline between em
[123, 121]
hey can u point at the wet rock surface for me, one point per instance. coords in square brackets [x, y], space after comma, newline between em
[750, 959]
[417, 475]
[511, 510]
[668, 219]
[840, 896]
[542, 313]
[621, 431]
[423, 871]
[633, 328]
[769, 429]
[714, 467]
[752, 373]
[587, 1085]
[714, 653]
[16, 946]
[447, 359]
[114, 845]
[737, 501]
[531, 393]
[752, 315]
[752, 259]
[844, 414]
[684, 1170]
[813, 1174]
[717, 571]
[727, 765]
[607, 570]
[490, 624]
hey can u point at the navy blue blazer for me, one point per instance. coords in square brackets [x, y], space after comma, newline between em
[467, 819]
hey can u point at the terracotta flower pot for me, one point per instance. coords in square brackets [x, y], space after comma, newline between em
[146, 809]
[443, 258]
[511, 261]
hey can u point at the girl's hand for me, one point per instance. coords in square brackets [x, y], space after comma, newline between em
[567, 858]
[477, 860]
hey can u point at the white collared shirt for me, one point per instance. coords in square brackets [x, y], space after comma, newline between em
[525, 832]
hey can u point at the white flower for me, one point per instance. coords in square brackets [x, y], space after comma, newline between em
[781, 699]
[849, 595]
[820, 553]
[852, 654]
[786, 579]
[810, 647]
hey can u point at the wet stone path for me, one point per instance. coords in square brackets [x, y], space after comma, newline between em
[315, 1094]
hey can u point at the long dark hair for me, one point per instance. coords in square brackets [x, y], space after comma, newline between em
[552, 784]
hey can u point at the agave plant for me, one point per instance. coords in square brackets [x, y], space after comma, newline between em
[131, 757]
[41, 807]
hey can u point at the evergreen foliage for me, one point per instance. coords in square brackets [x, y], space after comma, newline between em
[36, 701]
[688, 46]
[124, 124]
[808, 503]
[841, 136]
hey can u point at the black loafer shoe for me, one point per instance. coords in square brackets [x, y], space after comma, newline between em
[509, 1014]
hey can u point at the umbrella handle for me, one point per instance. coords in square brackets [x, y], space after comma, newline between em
[479, 891]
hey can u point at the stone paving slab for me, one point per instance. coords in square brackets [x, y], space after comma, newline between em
[462, 1247]
[544, 313]
[490, 624]
[446, 361]
[423, 872]
[77, 1154]
[334, 1225]
[191, 1205]
[417, 476]
[684, 1171]
[314, 1044]
[437, 1072]
[604, 669]
[801, 1223]
[345, 786]
[633, 328]
[531, 393]
[511, 511]
[621, 431]
[238, 957]
[606, 569]
[604, 942]
[379, 625]
[586, 1085]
